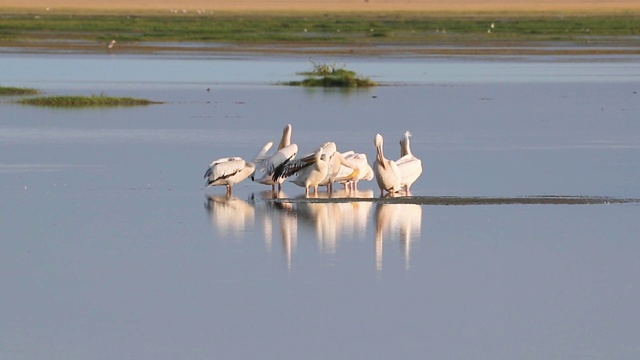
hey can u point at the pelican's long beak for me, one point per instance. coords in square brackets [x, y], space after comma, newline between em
[380, 157]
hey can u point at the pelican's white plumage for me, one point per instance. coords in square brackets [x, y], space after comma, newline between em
[228, 172]
[261, 155]
[410, 166]
[359, 170]
[386, 171]
[311, 171]
[336, 162]
[266, 165]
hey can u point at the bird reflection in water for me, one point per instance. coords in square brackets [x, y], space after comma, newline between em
[402, 221]
[328, 222]
[229, 214]
[335, 220]
[278, 215]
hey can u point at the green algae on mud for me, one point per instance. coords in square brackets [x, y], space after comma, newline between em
[85, 101]
[10, 90]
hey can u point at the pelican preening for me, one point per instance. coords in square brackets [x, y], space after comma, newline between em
[410, 166]
[359, 170]
[228, 172]
[267, 164]
[322, 167]
[391, 175]
[386, 171]
[310, 171]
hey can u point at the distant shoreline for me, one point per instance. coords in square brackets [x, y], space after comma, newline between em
[431, 6]
[275, 27]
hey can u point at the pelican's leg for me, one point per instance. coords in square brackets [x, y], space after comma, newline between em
[229, 190]
[306, 191]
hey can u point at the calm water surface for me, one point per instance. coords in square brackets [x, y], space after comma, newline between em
[113, 249]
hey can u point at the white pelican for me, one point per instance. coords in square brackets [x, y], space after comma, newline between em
[410, 166]
[386, 171]
[266, 165]
[112, 43]
[311, 170]
[228, 172]
[359, 170]
[336, 162]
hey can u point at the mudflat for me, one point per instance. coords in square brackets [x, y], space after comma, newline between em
[457, 6]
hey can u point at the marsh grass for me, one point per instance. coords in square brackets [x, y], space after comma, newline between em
[325, 75]
[85, 101]
[8, 90]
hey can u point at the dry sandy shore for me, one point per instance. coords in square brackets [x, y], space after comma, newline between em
[580, 6]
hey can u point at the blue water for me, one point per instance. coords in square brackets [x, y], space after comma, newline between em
[113, 248]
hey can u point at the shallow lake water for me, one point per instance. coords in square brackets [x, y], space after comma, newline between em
[113, 249]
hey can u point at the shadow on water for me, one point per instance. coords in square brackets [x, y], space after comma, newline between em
[345, 216]
[473, 200]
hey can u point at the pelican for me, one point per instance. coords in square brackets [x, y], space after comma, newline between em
[386, 171]
[336, 163]
[410, 166]
[311, 170]
[266, 165]
[112, 43]
[360, 169]
[228, 172]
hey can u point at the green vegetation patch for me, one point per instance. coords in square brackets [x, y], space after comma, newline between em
[8, 90]
[313, 27]
[85, 101]
[324, 75]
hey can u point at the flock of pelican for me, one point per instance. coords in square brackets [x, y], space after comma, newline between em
[324, 166]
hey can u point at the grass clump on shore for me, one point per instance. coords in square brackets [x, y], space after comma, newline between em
[325, 75]
[9, 90]
[85, 101]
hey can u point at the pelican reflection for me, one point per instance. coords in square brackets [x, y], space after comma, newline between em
[283, 222]
[401, 221]
[332, 221]
[278, 215]
[229, 214]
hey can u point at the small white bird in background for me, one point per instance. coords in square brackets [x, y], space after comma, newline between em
[410, 166]
[112, 43]
[386, 171]
[228, 172]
